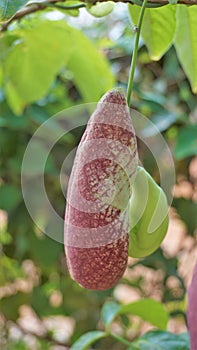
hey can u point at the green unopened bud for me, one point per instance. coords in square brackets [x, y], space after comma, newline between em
[148, 215]
[101, 9]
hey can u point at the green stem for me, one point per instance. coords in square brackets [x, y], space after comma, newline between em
[120, 339]
[70, 7]
[61, 7]
[134, 56]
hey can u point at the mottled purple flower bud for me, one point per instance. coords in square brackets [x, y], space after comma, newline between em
[97, 211]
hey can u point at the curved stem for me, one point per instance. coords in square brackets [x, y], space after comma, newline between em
[62, 7]
[120, 339]
[35, 7]
[134, 56]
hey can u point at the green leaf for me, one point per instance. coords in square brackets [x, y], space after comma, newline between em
[185, 41]
[10, 197]
[160, 340]
[149, 310]
[157, 29]
[109, 312]
[16, 300]
[8, 8]
[6, 41]
[10, 270]
[101, 9]
[162, 121]
[5, 237]
[40, 160]
[148, 215]
[187, 210]
[87, 339]
[40, 302]
[34, 60]
[91, 70]
[39, 248]
[186, 144]
[19, 345]
[42, 49]
[9, 120]
[15, 101]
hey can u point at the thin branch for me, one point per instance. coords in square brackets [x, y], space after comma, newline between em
[70, 7]
[135, 52]
[39, 6]
[45, 337]
[20, 14]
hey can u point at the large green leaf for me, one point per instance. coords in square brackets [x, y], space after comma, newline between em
[9, 7]
[91, 70]
[149, 310]
[43, 48]
[6, 41]
[34, 61]
[87, 339]
[186, 41]
[157, 29]
[109, 311]
[160, 340]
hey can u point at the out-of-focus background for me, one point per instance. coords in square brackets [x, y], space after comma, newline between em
[40, 306]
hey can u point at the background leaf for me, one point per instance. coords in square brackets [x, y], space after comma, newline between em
[185, 41]
[74, 74]
[187, 210]
[10, 269]
[10, 197]
[186, 143]
[87, 339]
[149, 310]
[157, 29]
[8, 8]
[34, 60]
[109, 312]
[92, 76]
[159, 340]
[42, 50]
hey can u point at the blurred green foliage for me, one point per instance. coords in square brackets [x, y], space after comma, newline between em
[46, 66]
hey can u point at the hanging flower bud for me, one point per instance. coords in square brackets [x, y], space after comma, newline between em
[97, 212]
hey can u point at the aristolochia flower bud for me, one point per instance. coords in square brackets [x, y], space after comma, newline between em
[97, 212]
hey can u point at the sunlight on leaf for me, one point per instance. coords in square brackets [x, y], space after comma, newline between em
[185, 41]
[157, 29]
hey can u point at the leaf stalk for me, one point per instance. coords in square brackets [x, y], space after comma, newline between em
[135, 51]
